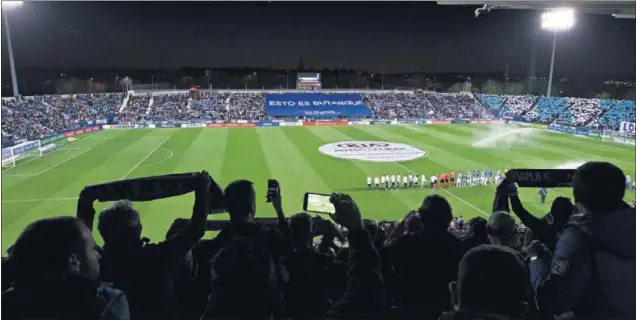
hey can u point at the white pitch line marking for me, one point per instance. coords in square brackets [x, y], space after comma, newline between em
[160, 161]
[39, 200]
[64, 147]
[144, 158]
[63, 162]
[128, 138]
[449, 193]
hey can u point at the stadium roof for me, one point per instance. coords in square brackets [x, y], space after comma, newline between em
[618, 9]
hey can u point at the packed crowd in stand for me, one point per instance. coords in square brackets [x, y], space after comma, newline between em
[28, 116]
[568, 264]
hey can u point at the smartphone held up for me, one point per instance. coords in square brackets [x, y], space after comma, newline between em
[273, 189]
[318, 203]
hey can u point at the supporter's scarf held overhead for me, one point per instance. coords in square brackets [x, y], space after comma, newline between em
[157, 187]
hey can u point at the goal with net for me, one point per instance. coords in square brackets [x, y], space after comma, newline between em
[12, 155]
[619, 137]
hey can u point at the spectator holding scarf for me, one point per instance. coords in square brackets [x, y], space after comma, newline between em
[592, 272]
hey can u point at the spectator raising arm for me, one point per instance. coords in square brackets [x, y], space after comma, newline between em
[283, 225]
[187, 238]
[364, 296]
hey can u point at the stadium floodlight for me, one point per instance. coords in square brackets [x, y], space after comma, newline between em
[556, 20]
[14, 77]
[9, 4]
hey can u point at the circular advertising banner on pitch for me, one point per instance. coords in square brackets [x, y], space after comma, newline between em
[378, 151]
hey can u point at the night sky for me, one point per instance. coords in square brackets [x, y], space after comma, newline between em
[374, 36]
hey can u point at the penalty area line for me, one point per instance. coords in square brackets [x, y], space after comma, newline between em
[160, 161]
[451, 194]
[144, 158]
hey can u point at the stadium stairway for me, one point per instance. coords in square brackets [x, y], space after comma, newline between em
[124, 103]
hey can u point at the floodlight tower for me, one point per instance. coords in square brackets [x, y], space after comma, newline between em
[556, 20]
[14, 79]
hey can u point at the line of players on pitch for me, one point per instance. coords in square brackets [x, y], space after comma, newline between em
[413, 181]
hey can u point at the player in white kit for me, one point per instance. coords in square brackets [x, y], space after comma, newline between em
[405, 181]
[376, 180]
[415, 181]
[382, 181]
[368, 183]
[423, 182]
[393, 181]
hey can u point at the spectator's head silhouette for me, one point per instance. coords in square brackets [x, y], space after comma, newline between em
[119, 225]
[436, 213]
[240, 199]
[491, 280]
[301, 226]
[243, 271]
[599, 188]
[413, 223]
[477, 227]
[371, 227]
[54, 248]
[561, 210]
[502, 229]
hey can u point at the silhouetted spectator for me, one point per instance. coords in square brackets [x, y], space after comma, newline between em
[244, 283]
[56, 268]
[492, 283]
[502, 230]
[477, 235]
[364, 295]
[548, 228]
[240, 199]
[307, 269]
[146, 272]
[419, 266]
[371, 227]
[591, 274]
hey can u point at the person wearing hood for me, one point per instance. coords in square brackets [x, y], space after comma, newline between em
[592, 273]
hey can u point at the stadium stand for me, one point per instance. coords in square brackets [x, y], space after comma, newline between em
[29, 116]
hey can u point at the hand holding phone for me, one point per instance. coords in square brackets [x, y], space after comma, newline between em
[273, 190]
[318, 203]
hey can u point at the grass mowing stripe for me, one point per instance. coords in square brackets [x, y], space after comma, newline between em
[418, 167]
[244, 159]
[144, 158]
[371, 168]
[291, 168]
[439, 152]
[180, 143]
[485, 157]
[342, 175]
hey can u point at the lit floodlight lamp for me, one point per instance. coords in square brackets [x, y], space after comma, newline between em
[558, 19]
[11, 4]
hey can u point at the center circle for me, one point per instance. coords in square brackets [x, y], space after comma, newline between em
[376, 151]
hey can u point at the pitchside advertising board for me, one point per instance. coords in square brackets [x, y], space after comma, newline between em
[376, 151]
[627, 127]
[316, 105]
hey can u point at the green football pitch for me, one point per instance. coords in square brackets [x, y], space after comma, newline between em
[48, 186]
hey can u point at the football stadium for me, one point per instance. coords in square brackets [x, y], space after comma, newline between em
[305, 193]
[289, 152]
